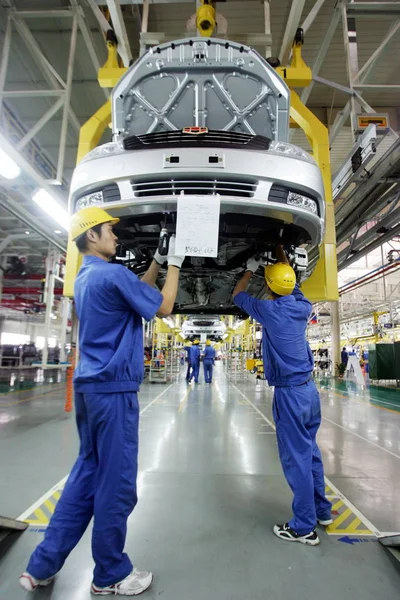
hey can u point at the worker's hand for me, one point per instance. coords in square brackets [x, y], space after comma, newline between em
[253, 264]
[173, 259]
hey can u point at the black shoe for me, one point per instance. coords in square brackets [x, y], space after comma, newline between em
[286, 533]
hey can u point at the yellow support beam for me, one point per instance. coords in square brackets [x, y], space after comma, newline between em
[297, 74]
[89, 137]
[323, 283]
[109, 75]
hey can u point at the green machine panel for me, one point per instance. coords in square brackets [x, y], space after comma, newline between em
[397, 360]
[382, 362]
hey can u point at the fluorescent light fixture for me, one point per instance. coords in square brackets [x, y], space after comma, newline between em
[8, 168]
[27, 232]
[57, 231]
[51, 207]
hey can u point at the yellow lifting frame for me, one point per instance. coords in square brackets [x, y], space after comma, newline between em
[323, 284]
[89, 136]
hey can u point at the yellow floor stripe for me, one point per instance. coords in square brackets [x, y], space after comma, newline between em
[337, 505]
[352, 528]
[40, 516]
[49, 504]
[345, 515]
[57, 495]
[347, 532]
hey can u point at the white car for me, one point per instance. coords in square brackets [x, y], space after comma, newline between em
[210, 326]
[205, 117]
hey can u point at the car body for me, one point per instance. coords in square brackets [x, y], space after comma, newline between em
[204, 117]
[210, 326]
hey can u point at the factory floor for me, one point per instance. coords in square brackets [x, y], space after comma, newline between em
[210, 490]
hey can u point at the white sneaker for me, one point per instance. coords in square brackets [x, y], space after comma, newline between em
[133, 585]
[286, 533]
[30, 583]
[325, 522]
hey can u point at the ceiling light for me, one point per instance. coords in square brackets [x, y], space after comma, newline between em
[8, 168]
[27, 232]
[57, 231]
[51, 207]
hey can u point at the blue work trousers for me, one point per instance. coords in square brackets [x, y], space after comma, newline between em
[102, 484]
[195, 371]
[208, 370]
[297, 414]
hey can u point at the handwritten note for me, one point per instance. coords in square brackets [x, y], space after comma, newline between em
[198, 225]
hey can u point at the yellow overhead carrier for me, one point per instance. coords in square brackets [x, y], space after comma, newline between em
[323, 284]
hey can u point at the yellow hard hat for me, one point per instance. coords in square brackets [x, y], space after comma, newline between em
[280, 278]
[208, 343]
[196, 342]
[89, 217]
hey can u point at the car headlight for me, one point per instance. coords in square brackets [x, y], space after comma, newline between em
[291, 150]
[301, 201]
[109, 149]
[90, 200]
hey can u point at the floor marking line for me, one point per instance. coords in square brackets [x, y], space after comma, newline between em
[61, 483]
[182, 402]
[361, 437]
[255, 408]
[41, 500]
[49, 505]
[349, 396]
[353, 525]
[340, 519]
[354, 509]
[266, 433]
[337, 505]
[41, 516]
[27, 399]
[328, 482]
[4, 394]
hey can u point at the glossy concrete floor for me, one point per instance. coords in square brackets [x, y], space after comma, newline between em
[210, 491]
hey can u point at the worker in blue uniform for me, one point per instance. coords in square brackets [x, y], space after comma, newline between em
[110, 302]
[195, 361]
[208, 362]
[189, 364]
[288, 364]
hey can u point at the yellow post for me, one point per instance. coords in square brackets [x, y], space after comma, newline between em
[323, 283]
[89, 136]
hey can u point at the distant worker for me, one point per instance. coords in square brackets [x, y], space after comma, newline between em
[189, 364]
[288, 365]
[344, 356]
[195, 361]
[208, 362]
[110, 302]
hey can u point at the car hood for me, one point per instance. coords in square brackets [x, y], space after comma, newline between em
[210, 83]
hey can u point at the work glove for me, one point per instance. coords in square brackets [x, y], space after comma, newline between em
[253, 264]
[161, 253]
[173, 259]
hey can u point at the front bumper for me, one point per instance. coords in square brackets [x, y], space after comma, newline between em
[149, 181]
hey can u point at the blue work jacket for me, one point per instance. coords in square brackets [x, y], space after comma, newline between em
[209, 353]
[194, 354]
[287, 357]
[111, 302]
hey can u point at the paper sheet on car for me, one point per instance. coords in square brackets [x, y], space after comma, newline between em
[198, 225]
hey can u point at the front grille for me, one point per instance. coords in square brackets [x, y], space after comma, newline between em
[245, 188]
[203, 323]
[211, 139]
